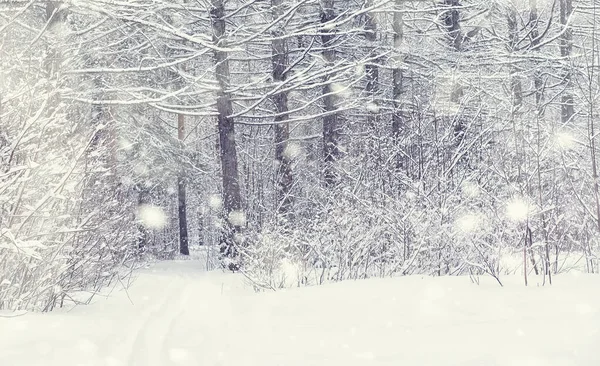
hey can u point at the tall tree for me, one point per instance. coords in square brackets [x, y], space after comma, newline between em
[567, 106]
[398, 80]
[331, 150]
[372, 66]
[227, 143]
[181, 196]
[283, 153]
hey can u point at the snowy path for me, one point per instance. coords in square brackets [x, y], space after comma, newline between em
[183, 316]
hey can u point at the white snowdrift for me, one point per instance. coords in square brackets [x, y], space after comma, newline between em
[176, 314]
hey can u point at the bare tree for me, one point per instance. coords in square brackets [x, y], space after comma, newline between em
[181, 196]
[398, 79]
[283, 154]
[226, 127]
[567, 106]
[331, 150]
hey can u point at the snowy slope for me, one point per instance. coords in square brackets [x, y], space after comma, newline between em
[176, 314]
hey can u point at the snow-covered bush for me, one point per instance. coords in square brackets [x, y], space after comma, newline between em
[348, 239]
[353, 238]
[65, 226]
[62, 228]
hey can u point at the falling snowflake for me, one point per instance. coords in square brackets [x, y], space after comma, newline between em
[565, 140]
[340, 89]
[292, 150]
[468, 223]
[517, 209]
[152, 217]
[470, 189]
[215, 202]
[372, 107]
[237, 218]
[125, 144]
[360, 70]
[141, 169]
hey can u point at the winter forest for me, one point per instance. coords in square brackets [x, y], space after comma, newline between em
[294, 143]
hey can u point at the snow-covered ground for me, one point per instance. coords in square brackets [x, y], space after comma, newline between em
[177, 314]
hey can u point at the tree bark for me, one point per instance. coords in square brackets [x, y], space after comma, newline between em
[283, 156]
[181, 196]
[539, 85]
[455, 36]
[516, 87]
[567, 108]
[331, 150]
[398, 82]
[53, 58]
[452, 22]
[372, 68]
[226, 127]
[372, 86]
[535, 41]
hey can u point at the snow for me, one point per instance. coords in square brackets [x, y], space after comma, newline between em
[152, 217]
[237, 218]
[176, 313]
[125, 144]
[340, 90]
[373, 107]
[468, 222]
[292, 150]
[565, 140]
[517, 209]
[215, 202]
[470, 189]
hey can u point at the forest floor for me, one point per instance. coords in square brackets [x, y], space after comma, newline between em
[175, 313]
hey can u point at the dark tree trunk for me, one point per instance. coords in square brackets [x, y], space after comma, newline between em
[457, 39]
[452, 23]
[567, 107]
[53, 57]
[454, 33]
[227, 145]
[535, 41]
[372, 68]
[283, 155]
[398, 83]
[516, 87]
[331, 150]
[182, 208]
[143, 235]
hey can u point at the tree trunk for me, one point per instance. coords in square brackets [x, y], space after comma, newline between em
[398, 83]
[516, 87]
[567, 108]
[535, 41]
[452, 22]
[591, 121]
[182, 208]
[454, 34]
[330, 120]
[283, 155]
[143, 234]
[53, 58]
[539, 85]
[372, 68]
[227, 145]
[372, 88]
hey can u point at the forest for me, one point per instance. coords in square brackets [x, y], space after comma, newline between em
[344, 139]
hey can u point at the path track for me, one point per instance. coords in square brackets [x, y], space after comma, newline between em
[176, 314]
